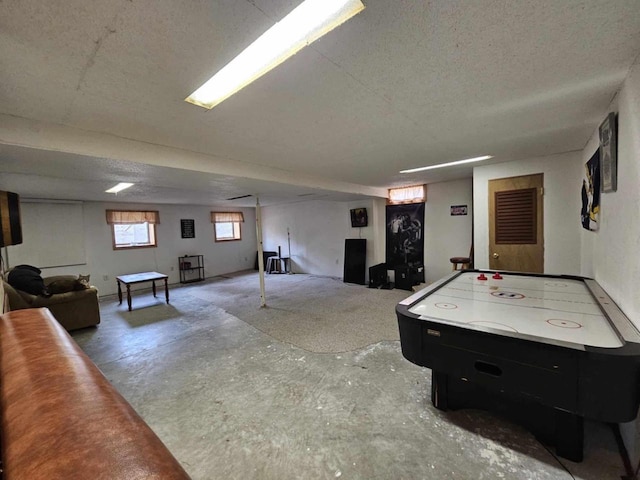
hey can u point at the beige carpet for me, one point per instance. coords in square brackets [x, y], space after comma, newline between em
[318, 314]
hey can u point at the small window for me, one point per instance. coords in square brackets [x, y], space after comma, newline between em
[133, 229]
[134, 235]
[226, 226]
[414, 194]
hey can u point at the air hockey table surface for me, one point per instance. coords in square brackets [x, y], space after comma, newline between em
[552, 310]
[557, 341]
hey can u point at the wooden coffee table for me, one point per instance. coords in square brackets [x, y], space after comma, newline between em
[134, 278]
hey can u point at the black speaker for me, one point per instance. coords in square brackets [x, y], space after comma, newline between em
[355, 256]
[10, 227]
[378, 276]
[404, 277]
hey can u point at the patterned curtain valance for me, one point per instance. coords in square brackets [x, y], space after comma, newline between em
[227, 217]
[131, 216]
[413, 194]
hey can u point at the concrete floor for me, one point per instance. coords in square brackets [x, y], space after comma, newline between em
[233, 402]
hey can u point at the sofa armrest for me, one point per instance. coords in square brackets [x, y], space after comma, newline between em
[61, 418]
[17, 299]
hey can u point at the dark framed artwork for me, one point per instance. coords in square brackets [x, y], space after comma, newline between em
[405, 234]
[188, 228]
[591, 193]
[609, 154]
[359, 217]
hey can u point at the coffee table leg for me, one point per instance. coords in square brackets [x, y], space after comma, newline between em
[153, 286]
[129, 296]
[166, 290]
[119, 292]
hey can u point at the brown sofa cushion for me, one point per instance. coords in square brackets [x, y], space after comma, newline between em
[64, 284]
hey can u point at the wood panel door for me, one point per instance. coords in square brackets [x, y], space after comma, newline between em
[516, 240]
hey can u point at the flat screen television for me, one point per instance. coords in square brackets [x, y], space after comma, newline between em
[359, 217]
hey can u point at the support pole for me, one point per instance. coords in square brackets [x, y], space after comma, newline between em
[289, 243]
[263, 300]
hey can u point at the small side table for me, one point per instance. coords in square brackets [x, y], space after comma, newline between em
[134, 278]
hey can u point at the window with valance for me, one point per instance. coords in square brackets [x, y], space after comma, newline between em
[133, 228]
[226, 226]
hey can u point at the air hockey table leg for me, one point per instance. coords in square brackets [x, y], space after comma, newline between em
[569, 435]
[439, 390]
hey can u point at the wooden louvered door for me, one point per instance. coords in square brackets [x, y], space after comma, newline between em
[516, 240]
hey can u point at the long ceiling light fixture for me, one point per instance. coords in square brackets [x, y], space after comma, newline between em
[306, 23]
[450, 164]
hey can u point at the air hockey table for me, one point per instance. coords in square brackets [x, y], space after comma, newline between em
[545, 350]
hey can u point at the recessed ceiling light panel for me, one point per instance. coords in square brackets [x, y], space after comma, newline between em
[306, 23]
[119, 187]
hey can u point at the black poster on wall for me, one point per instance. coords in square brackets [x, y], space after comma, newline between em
[405, 234]
[188, 228]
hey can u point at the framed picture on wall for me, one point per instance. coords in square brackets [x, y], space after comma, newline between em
[359, 217]
[609, 154]
[188, 228]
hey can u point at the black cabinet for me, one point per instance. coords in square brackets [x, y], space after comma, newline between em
[191, 268]
[355, 256]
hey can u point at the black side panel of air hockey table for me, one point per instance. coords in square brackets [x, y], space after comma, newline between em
[603, 384]
[538, 371]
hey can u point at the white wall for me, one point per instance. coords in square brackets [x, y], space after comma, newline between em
[379, 216]
[103, 261]
[446, 236]
[317, 231]
[52, 234]
[561, 203]
[612, 254]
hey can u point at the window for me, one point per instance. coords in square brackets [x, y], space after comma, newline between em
[226, 225]
[415, 194]
[133, 229]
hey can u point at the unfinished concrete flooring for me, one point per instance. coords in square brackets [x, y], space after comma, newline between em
[233, 402]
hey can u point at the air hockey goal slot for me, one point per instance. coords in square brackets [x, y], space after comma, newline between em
[488, 368]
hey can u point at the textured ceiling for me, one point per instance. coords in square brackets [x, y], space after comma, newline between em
[93, 91]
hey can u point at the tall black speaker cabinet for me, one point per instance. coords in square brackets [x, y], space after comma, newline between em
[355, 255]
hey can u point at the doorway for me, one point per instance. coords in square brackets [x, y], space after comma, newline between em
[516, 240]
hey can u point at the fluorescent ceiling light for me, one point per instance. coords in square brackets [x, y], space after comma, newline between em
[119, 187]
[450, 164]
[306, 23]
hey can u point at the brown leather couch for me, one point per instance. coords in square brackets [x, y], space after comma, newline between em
[73, 310]
[61, 418]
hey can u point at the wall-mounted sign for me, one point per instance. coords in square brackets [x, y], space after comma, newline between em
[458, 209]
[188, 228]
